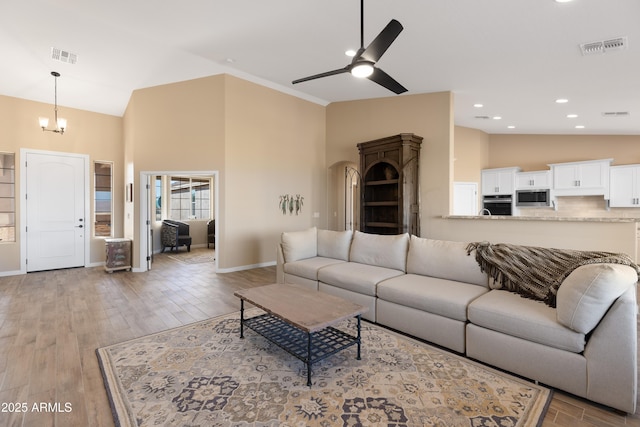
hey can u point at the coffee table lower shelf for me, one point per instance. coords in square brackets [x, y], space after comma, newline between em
[310, 347]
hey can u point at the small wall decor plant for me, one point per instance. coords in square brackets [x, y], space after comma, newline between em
[291, 204]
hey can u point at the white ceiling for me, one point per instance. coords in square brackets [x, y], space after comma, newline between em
[514, 56]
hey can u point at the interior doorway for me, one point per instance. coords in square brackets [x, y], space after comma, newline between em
[55, 187]
[149, 235]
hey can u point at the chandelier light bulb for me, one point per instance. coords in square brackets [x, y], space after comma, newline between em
[61, 124]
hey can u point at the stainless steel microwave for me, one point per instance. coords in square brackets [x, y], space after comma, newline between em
[533, 198]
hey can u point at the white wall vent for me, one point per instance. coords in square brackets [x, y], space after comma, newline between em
[483, 117]
[604, 46]
[615, 114]
[63, 56]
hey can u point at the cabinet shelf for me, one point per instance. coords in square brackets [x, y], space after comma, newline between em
[383, 182]
[383, 224]
[382, 203]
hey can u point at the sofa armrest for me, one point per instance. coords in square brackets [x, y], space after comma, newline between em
[612, 353]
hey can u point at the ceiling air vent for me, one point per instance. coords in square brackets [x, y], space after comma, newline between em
[604, 46]
[615, 114]
[483, 117]
[63, 56]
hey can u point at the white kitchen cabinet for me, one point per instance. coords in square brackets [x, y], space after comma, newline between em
[465, 198]
[499, 181]
[533, 180]
[588, 178]
[624, 186]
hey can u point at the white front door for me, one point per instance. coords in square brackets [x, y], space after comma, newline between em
[55, 199]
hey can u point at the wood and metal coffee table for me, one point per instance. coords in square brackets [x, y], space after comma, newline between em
[300, 321]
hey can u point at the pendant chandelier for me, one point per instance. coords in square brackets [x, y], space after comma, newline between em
[61, 124]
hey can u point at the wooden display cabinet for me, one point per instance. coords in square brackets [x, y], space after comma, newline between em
[390, 185]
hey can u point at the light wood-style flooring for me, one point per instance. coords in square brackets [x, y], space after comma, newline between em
[51, 323]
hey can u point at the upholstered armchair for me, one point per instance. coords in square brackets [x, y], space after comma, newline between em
[211, 233]
[174, 234]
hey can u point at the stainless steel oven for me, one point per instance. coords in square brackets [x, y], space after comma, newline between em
[500, 204]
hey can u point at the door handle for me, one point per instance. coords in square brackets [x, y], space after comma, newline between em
[79, 226]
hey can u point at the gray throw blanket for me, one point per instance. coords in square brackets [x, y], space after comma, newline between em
[534, 272]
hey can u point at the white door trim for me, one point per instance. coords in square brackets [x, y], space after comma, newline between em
[146, 176]
[23, 206]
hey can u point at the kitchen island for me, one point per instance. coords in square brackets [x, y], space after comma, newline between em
[611, 234]
[542, 218]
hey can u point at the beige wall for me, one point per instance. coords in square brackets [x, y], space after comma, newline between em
[97, 135]
[263, 144]
[174, 127]
[426, 115]
[470, 156]
[535, 152]
[275, 145]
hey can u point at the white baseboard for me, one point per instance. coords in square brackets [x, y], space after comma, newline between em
[245, 267]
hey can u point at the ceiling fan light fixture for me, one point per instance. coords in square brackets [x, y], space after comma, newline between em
[362, 69]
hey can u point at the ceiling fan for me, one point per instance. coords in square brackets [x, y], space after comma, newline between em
[363, 63]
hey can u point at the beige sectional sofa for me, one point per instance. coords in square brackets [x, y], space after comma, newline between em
[431, 289]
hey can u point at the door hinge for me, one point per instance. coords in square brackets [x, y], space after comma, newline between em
[148, 258]
[148, 222]
[148, 187]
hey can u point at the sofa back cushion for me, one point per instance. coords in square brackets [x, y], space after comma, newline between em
[445, 260]
[297, 245]
[334, 244]
[587, 293]
[388, 251]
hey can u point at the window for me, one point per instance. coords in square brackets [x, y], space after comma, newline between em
[103, 198]
[7, 197]
[190, 198]
[158, 186]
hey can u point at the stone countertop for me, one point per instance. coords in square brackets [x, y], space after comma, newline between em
[540, 218]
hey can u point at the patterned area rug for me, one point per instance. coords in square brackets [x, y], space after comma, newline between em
[203, 374]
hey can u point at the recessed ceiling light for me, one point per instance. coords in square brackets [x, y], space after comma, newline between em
[561, 101]
[350, 53]
[511, 127]
[563, 1]
[579, 126]
[497, 118]
[571, 116]
[478, 105]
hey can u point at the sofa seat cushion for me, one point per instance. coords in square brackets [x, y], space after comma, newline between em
[444, 297]
[511, 314]
[355, 277]
[309, 267]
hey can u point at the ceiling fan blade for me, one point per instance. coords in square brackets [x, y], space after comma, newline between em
[318, 76]
[381, 43]
[385, 80]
